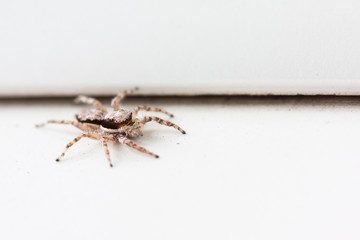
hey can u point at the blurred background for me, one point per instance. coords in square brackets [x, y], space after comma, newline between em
[179, 47]
[258, 161]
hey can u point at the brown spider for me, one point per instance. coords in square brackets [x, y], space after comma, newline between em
[117, 125]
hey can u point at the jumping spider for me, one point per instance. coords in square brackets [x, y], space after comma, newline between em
[118, 125]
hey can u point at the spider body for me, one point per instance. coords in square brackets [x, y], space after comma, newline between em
[118, 125]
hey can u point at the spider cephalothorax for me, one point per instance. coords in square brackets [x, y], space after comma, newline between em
[117, 125]
[117, 119]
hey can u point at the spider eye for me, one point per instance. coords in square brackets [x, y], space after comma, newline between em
[127, 121]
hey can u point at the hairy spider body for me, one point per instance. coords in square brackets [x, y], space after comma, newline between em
[115, 126]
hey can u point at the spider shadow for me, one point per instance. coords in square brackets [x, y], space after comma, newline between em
[151, 136]
[83, 151]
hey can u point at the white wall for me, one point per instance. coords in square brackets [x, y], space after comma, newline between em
[188, 46]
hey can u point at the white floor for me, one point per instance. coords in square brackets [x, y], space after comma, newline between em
[248, 168]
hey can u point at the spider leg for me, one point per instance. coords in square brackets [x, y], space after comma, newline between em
[131, 144]
[91, 101]
[161, 121]
[103, 141]
[146, 108]
[120, 97]
[89, 135]
[87, 127]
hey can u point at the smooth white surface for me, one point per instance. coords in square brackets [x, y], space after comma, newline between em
[246, 169]
[179, 47]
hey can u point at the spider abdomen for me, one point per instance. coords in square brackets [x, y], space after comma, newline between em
[94, 116]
